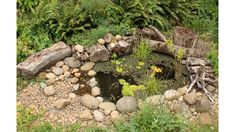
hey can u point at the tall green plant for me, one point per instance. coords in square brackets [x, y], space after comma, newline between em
[143, 50]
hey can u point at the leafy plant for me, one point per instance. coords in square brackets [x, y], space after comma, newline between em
[180, 54]
[128, 90]
[153, 86]
[143, 50]
[213, 56]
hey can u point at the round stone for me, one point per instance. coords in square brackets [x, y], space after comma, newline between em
[114, 115]
[49, 91]
[183, 90]
[65, 68]
[118, 37]
[79, 48]
[191, 98]
[95, 91]
[74, 80]
[76, 87]
[75, 71]
[50, 75]
[72, 95]
[107, 106]
[87, 66]
[203, 105]
[93, 82]
[100, 99]
[72, 62]
[89, 101]
[43, 85]
[91, 73]
[126, 104]
[99, 116]
[59, 64]
[101, 41]
[50, 81]
[57, 71]
[67, 74]
[86, 115]
[61, 103]
[171, 94]
[61, 77]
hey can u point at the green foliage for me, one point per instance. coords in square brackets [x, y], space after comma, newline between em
[213, 56]
[143, 50]
[180, 54]
[153, 86]
[128, 90]
[152, 119]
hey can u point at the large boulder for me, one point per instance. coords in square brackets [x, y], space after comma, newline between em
[90, 101]
[44, 59]
[99, 53]
[126, 104]
[203, 105]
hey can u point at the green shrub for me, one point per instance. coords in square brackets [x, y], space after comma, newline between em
[153, 86]
[128, 90]
[213, 56]
[143, 50]
[152, 119]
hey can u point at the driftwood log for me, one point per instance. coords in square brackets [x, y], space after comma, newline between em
[44, 59]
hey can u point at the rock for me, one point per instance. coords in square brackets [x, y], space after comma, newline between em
[67, 74]
[181, 98]
[87, 66]
[86, 115]
[118, 37]
[205, 119]
[183, 90]
[101, 41]
[99, 116]
[72, 62]
[95, 91]
[72, 95]
[89, 101]
[76, 87]
[210, 88]
[43, 85]
[126, 104]
[107, 112]
[61, 103]
[57, 71]
[50, 75]
[176, 107]
[107, 106]
[100, 99]
[77, 75]
[101, 125]
[171, 95]
[49, 91]
[61, 77]
[65, 68]
[114, 115]
[43, 59]
[50, 81]
[108, 37]
[203, 105]
[75, 71]
[59, 64]
[93, 82]
[74, 80]
[155, 99]
[99, 53]
[79, 48]
[191, 98]
[140, 104]
[91, 73]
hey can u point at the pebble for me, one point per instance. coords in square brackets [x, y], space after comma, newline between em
[93, 82]
[49, 91]
[59, 64]
[109, 106]
[99, 116]
[191, 98]
[171, 94]
[79, 48]
[89, 101]
[72, 62]
[61, 103]
[87, 66]
[118, 37]
[65, 68]
[72, 95]
[114, 115]
[50, 81]
[75, 71]
[155, 99]
[50, 75]
[67, 74]
[183, 90]
[57, 71]
[95, 91]
[77, 75]
[91, 73]
[86, 115]
[76, 87]
[100, 99]
[61, 77]
[43, 85]
[101, 41]
[74, 80]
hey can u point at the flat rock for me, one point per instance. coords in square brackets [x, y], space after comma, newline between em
[61, 103]
[99, 116]
[93, 82]
[89, 101]
[50, 75]
[50, 81]
[155, 99]
[59, 64]
[126, 104]
[49, 91]
[85, 115]
[203, 105]
[91, 73]
[72, 62]
[171, 95]
[95, 91]
[99, 53]
[57, 71]
[107, 106]
[191, 98]
[79, 48]
[87, 66]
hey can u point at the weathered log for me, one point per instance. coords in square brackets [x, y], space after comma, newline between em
[123, 48]
[83, 56]
[44, 59]
[185, 37]
[99, 53]
[159, 34]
